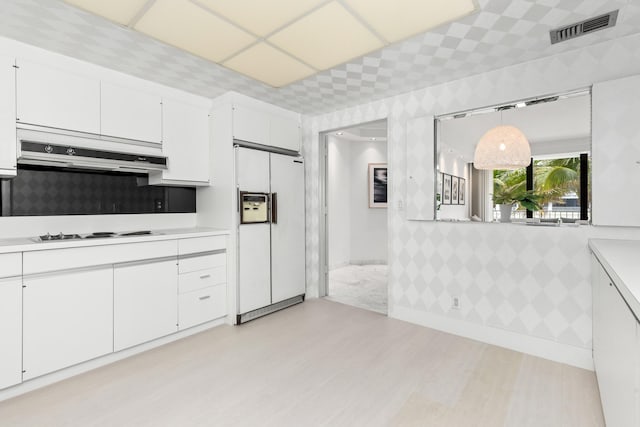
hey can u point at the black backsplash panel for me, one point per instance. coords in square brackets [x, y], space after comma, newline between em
[39, 191]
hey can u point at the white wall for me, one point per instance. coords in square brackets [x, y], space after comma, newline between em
[357, 233]
[526, 288]
[339, 201]
[368, 225]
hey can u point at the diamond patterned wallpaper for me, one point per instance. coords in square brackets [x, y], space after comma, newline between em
[504, 32]
[533, 281]
[420, 180]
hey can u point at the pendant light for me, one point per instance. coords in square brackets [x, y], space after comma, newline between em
[503, 147]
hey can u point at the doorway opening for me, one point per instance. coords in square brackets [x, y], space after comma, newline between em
[355, 220]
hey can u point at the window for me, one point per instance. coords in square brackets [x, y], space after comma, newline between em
[558, 185]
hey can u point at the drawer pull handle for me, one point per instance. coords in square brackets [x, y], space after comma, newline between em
[205, 276]
[204, 297]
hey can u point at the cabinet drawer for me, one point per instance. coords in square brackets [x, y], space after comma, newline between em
[202, 306]
[202, 262]
[70, 258]
[201, 244]
[189, 282]
[10, 265]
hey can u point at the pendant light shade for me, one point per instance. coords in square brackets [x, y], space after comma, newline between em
[503, 147]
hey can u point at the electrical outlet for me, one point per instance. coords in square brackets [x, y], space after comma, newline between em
[456, 303]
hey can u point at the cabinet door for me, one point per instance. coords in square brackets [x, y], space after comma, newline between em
[202, 305]
[250, 125]
[252, 168]
[615, 351]
[129, 113]
[68, 319]
[284, 133]
[185, 141]
[47, 96]
[615, 151]
[7, 117]
[287, 231]
[10, 332]
[254, 267]
[145, 302]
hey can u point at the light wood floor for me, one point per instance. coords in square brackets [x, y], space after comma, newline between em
[319, 363]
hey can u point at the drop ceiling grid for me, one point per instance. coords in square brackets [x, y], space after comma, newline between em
[501, 34]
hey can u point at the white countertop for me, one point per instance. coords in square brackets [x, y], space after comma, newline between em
[621, 261]
[31, 244]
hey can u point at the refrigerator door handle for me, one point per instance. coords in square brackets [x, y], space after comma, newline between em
[274, 208]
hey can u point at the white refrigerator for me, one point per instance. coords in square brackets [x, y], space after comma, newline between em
[271, 232]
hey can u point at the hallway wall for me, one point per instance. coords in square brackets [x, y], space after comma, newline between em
[357, 233]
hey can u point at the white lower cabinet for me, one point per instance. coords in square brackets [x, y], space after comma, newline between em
[616, 352]
[67, 319]
[145, 302]
[202, 305]
[202, 285]
[53, 319]
[10, 332]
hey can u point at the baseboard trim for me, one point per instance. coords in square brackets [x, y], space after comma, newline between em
[562, 353]
[107, 359]
[368, 262]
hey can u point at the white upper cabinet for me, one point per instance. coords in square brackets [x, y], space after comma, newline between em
[52, 97]
[266, 128]
[129, 113]
[185, 130]
[615, 152]
[7, 117]
[284, 133]
[250, 125]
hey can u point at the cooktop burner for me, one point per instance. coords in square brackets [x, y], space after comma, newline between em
[136, 233]
[61, 236]
[100, 235]
[97, 235]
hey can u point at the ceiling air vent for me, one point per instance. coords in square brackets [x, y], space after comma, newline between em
[585, 27]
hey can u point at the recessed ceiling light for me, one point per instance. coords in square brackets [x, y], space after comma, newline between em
[339, 133]
[315, 34]
[259, 16]
[190, 27]
[327, 37]
[276, 69]
[373, 138]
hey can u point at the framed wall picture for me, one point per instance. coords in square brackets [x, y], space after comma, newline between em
[377, 185]
[446, 189]
[462, 187]
[454, 190]
[439, 190]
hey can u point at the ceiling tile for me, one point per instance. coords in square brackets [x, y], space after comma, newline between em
[275, 68]
[259, 16]
[187, 26]
[398, 19]
[327, 37]
[120, 11]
